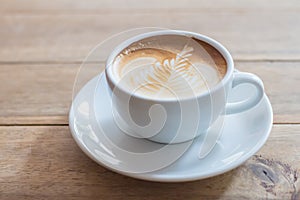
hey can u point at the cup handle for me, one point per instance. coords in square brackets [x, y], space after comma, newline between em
[240, 78]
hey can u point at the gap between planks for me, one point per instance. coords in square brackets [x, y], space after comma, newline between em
[93, 62]
[66, 124]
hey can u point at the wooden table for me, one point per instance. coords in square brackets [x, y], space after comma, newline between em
[42, 44]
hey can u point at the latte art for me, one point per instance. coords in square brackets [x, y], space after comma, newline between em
[166, 71]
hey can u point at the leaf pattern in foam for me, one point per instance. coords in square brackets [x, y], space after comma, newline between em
[176, 74]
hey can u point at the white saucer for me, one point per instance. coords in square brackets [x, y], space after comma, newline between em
[242, 136]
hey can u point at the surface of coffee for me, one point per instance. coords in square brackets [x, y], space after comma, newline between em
[169, 66]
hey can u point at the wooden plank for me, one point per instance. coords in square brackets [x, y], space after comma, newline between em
[153, 5]
[44, 162]
[281, 82]
[42, 93]
[39, 94]
[68, 38]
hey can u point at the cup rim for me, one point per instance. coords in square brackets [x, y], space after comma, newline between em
[224, 52]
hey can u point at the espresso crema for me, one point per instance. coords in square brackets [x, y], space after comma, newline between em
[169, 66]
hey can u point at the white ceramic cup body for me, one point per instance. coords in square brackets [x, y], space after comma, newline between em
[182, 119]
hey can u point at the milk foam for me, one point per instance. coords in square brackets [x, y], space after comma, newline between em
[166, 73]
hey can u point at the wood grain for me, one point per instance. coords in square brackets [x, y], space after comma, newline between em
[39, 94]
[64, 6]
[42, 93]
[68, 38]
[44, 162]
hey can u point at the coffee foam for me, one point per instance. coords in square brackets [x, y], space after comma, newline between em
[169, 66]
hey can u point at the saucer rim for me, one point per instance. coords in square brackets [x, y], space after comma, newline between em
[151, 176]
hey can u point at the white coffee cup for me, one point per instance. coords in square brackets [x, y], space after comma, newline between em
[179, 119]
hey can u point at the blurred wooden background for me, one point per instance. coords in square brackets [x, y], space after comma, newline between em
[42, 44]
